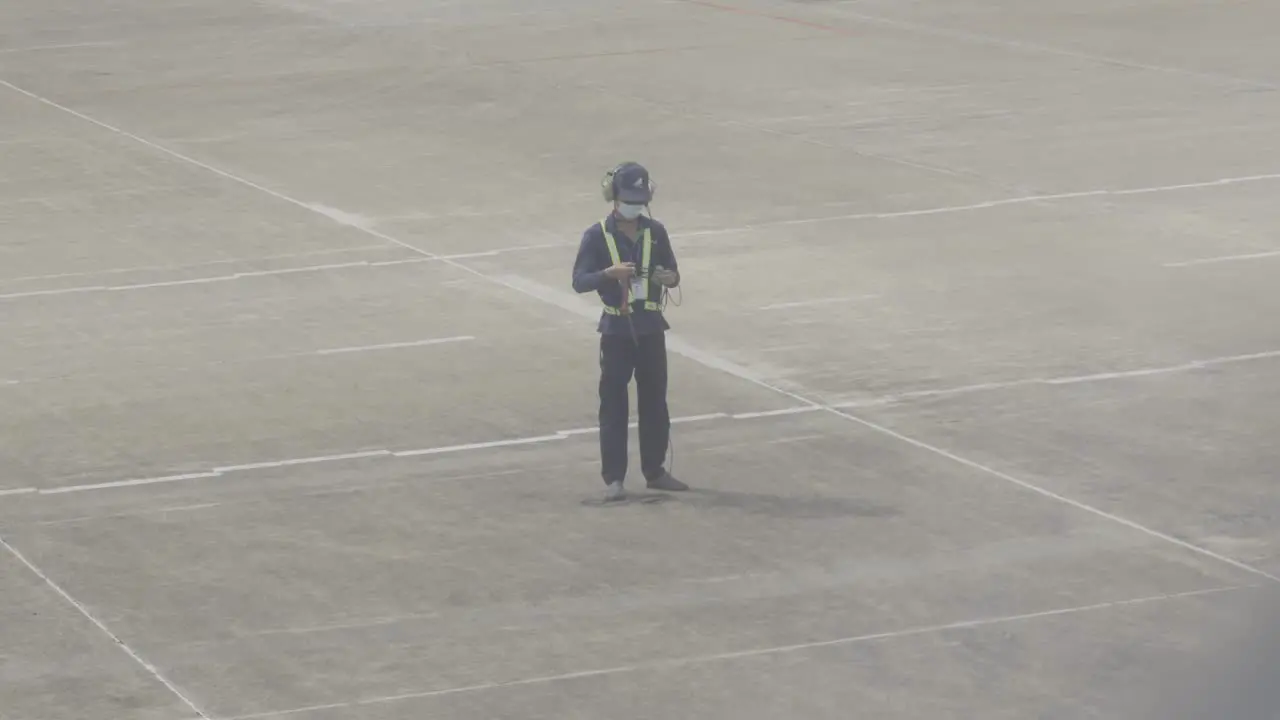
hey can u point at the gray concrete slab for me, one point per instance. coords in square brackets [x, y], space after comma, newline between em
[187, 420]
[471, 596]
[1108, 443]
[939, 674]
[855, 310]
[1185, 39]
[55, 664]
[1027, 251]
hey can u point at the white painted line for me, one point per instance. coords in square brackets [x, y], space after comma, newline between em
[579, 431]
[17, 491]
[480, 446]
[63, 46]
[309, 268]
[302, 461]
[185, 508]
[710, 359]
[948, 209]
[151, 669]
[941, 392]
[819, 301]
[1142, 372]
[393, 346]
[463, 256]
[776, 413]
[751, 653]
[128, 483]
[1186, 367]
[698, 418]
[1221, 182]
[171, 283]
[1145, 372]
[479, 254]
[1063, 380]
[1224, 258]
[406, 261]
[38, 293]
[342, 217]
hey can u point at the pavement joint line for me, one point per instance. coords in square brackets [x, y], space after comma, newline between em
[915, 631]
[675, 343]
[150, 668]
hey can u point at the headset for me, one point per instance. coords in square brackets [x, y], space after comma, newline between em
[609, 186]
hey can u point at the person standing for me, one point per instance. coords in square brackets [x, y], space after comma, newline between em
[627, 260]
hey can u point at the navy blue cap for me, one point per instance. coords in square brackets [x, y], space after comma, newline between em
[631, 184]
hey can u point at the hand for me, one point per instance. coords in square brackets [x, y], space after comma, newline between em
[668, 278]
[621, 271]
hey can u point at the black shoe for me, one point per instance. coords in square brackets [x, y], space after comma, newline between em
[667, 482]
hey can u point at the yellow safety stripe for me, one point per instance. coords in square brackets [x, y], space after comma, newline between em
[613, 247]
[610, 310]
[646, 254]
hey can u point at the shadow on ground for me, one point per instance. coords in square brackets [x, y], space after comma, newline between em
[773, 506]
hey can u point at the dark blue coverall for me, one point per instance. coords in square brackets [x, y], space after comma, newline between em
[634, 344]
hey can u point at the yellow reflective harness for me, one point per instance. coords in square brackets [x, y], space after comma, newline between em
[640, 290]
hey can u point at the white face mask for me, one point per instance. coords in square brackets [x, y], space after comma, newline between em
[629, 212]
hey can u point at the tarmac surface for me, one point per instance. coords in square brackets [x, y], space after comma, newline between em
[976, 367]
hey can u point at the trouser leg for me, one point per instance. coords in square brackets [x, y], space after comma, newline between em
[617, 362]
[651, 401]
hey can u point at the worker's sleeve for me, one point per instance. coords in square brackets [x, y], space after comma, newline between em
[666, 255]
[587, 273]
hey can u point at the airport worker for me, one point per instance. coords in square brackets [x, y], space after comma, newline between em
[627, 259]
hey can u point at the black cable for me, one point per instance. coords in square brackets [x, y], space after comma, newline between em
[671, 454]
